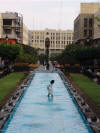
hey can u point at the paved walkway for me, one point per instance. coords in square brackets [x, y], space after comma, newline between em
[42, 68]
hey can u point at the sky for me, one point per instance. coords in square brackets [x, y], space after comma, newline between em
[42, 14]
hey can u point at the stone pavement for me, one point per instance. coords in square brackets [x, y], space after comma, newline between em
[42, 68]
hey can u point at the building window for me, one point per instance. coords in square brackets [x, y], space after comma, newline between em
[90, 22]
[37, 37]
[7, 21]
[85, 22]
[85, 33]
[90, 33]
[7, 31]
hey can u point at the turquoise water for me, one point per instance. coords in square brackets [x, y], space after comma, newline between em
[35, 113]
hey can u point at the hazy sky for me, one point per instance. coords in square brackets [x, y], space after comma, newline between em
[41, 14]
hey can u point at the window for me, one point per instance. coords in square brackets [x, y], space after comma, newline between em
[37, 37]
[85, 22]
[90, 33]
[47, 33]
[90, 22]
[7, 21]
[85, 33]
[7, 31]
[59, 38]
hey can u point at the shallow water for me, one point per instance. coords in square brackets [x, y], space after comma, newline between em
[36, 113]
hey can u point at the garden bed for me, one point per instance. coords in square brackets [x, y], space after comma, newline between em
[89, 90]
[8, 85]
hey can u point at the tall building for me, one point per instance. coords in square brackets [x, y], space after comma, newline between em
[30, 37]
[83, 28]
[58, 39]
[96, 36]
[89, 8]
[11, 24]
[13, 29]
[1, 25]
[84, 23]
[25, 35]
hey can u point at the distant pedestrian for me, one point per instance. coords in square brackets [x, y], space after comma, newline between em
[50, 89]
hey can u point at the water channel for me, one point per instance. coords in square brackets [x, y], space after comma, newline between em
[36, 113]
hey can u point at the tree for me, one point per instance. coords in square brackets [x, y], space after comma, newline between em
[73, 54]
[54, 57]
[9, 51]
[27, 55]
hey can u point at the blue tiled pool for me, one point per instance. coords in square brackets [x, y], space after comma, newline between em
[35, 113]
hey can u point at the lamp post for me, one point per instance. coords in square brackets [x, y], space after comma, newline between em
[47, 45]
[6, 39]
[89, 41]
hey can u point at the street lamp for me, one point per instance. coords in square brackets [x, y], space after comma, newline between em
[47, 45]
[6, 38]
[89, 41]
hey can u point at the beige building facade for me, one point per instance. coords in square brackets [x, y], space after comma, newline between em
[30, 35]
[13, 29]
[96, 36]
[1, 25]
[25, 35]
[89, 8]
[58, 39]
[85, 29]
[12, 24]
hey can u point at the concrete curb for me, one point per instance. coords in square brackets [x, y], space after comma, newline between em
[7, 109]
[89, 115]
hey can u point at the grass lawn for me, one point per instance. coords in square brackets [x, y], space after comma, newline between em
[9, 82]
[88, 86]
